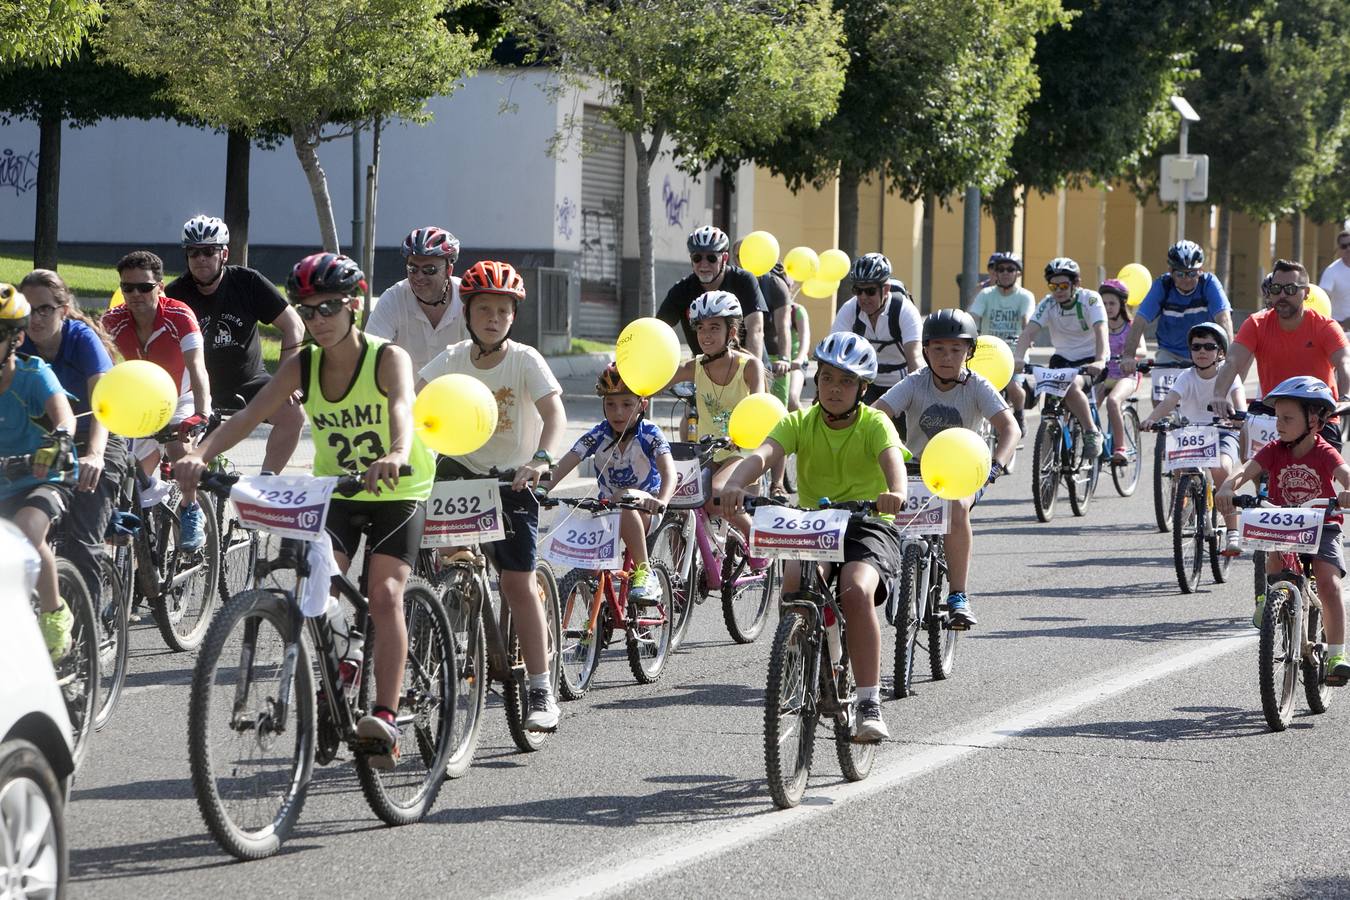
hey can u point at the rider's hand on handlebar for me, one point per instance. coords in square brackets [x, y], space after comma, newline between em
[648, 503]
[188, 471]
[1223, 499]
[1094, 369]
[384, 471]
[1222, 407]
[1128, 365]
[732, 497]
[529, 474]
[890, 503]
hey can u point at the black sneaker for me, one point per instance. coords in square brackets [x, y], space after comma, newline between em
[869, 727]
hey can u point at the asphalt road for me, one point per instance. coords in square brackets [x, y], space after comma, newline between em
[1101, 735]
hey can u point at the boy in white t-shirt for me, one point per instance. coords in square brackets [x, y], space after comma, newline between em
[1191, 395]
[530, 421]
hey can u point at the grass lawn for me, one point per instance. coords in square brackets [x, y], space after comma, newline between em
[586, 345]
[88, 281]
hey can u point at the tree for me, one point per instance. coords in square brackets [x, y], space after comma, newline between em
[44, 31]
[310, 65]
[703, 78]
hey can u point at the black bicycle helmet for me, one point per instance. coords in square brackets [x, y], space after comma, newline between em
[950, 324]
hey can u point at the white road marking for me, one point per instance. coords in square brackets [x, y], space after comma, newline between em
[670, 855]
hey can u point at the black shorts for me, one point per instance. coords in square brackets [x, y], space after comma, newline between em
[52, 499]
[393, 527]
[878, 545]
[246, 392]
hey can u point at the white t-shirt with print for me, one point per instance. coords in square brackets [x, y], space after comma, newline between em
[1071, 330]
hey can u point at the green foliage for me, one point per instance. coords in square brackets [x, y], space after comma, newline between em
[81, 90]
[43, 31]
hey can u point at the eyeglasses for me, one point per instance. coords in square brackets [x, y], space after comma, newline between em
[1004, 270]
[697, 258]
[1060, 285]
[1344, 246]
[429, 269]
[139, 287]
[194, 252]
[327, 308]
[1210, 346]
[1185, 273]
[1289, 290]
[46, 309]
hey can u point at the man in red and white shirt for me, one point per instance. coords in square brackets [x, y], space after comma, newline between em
[151, 326]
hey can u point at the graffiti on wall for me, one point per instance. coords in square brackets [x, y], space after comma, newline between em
[565, 216]
[599, 246]
[676, 203]
[18, 170]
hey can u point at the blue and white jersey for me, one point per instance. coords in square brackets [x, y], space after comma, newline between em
[1176, 313]
[619, 468]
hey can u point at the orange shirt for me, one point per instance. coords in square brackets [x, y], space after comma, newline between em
[1281, 354]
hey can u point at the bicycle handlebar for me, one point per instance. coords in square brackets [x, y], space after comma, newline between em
[1229, 423]
[1251, 501]
[219, 483]
[1148, 364]
[860, 509]
[590, 504]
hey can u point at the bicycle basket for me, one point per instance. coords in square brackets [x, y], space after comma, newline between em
[695, 481]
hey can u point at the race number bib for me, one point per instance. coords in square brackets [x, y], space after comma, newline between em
[585, 542]
[690, 490]
[1055, 382]
[293, 506]
[778, 531]
[924, 513]
[1193, 447]
[464, 512]
[1260, 431]
[1297, 529]
[1162, 380]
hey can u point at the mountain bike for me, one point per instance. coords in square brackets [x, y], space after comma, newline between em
[918, 611]
[1164, 483]
[257, 721]
[1058, 456]
[240, 547]
[1197, 526]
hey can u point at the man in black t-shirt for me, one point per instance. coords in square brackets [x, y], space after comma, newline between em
[229, 302]
[709, 254]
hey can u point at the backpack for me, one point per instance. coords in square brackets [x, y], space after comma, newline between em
[899, 294]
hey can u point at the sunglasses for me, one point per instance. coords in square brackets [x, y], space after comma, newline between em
[1210, 346]
[194, 252]
[139, 287]
[866, 291]
[1004, 270]
[1060, 285]
[429, 269]
[327, 308]
[697, 258]
[1289, 290]
[1185, 273]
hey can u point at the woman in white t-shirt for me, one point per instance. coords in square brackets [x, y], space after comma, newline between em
[1191, 395]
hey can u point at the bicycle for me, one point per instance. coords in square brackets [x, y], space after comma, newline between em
[1164, 484]
[1197, 526]
[1293, 636]
[918, 606]
[595, 604]
[240, 547]
[1058, 455]
[701, 557]
[487, 648]
[807, 682]
[257, 723]
[1124, 475]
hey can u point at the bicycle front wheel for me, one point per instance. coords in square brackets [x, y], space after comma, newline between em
[1188, 534]
[1278, 656]
[250, 730]
[580, 646]
[114, 622]
[1045, 468]
[460, 589]
[1126, 477]
[425, 716]
[746, 594]
[789, 713]
[514, 693]
[78, 671]
[184, 606]
[669, 546]
[1164, 486]
[1218, 542]
[650, 631]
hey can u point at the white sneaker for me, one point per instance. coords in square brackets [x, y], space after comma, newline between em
[544, 713]
[376, 730]
[869, 727]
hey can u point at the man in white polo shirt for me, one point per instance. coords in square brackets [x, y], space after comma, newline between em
[422, 312]
[1336, 281]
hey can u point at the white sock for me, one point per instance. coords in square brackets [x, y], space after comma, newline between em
[540, 682]
[872, 693]
[1335, 650]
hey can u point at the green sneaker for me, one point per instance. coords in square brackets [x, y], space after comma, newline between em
[56, 630]
[641, 590]
[1338, 670]
[1260, 611]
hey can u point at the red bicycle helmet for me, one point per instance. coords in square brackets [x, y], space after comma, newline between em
[492, 277]
[431, 241]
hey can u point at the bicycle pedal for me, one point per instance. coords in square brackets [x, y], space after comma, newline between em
[953, 625]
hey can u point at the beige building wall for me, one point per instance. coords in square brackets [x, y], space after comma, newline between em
[1123, 225]
[1041, 237]
[1085, 232]
[1158, 233]
[808, 218]
[948, 239]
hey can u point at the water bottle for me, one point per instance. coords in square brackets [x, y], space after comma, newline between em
[349, 644]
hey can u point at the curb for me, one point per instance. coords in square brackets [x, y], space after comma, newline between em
[578, 365]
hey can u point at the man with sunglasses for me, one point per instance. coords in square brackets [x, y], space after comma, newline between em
[1181, 298]
[422, 313]
[710, 257]
[882, 311]
[1003, 310]
[229, 302]
[1335, 281]
[153, 326]
[1288, 340]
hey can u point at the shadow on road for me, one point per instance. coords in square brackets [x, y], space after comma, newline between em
[1320, 886]
[1198, 723]
[734, 695]
[1148, 633]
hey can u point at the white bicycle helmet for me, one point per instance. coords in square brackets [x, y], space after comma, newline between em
[850, 352]
[714, 305]
[709, 238]
[205, 231]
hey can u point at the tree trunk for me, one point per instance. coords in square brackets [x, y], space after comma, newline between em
[1296, 236]
[306, 142]
[237, 150]
[1223, 265]
[646, 305]
[849, 182]
[930, 202]
[1003, 207]
[48, 190]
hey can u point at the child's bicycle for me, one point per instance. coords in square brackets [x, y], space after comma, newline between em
[257, 721]
[1058, 456]
[1164, 483]
[917, 607]
[1293, 638]
[595, 605]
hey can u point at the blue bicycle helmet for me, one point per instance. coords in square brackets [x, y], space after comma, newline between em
[850, 352]
[1185, 255]
[1311, 391]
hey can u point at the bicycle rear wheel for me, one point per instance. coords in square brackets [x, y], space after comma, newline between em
[1315, 687]
[649, 640]
[514, 693]
[1188, 534]
[1164, 486]
[1218, 542]
[1278, 656]
[745, 607]
[114, 622]
[1083, 480]
[1126, 477]
[579, 653]
[942, 639]
[855, 760]
[460, 588]
[669, 546]
[250, 764]
[1045, 468]
[183, 609]
[789, 713]
[908, 620]
[425, 715]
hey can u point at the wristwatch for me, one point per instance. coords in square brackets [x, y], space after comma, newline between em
[542, 456]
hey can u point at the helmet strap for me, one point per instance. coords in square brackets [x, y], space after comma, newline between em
[846, 414]
[220, 273]
[445, 295]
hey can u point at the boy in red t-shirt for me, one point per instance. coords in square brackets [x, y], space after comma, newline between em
[1300, 467]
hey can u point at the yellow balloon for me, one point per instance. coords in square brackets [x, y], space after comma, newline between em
[801, 264]
[753, 419]
[455, 414]
[647, 354]
[955, 463]
[1138, 279]
[993, 360]
[1318, 300]
[759, 252]
[834, 265]
[135, 398]
[820, 289]
[117, 299]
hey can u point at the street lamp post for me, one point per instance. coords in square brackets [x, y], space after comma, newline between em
[1188, 115]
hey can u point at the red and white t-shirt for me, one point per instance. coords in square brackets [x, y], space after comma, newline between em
[1293, 482]
[175, 332]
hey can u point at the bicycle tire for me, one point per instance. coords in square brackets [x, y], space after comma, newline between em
[426, 710]
[745, 609]
[1082, 480]
[668, 545]
[215, 779]
[1126, 477]
[942, 639]
[114, 620]
[236, 553]
[855, 760]
[1315, 688]
[910, 621]
[78, 671]
[1277, 657]
[579, 649]
[1218, 542]
[471, 665]
[1045, 469]
[649, 646]
[183, 610]
[1188, 534]
[1164, 486]
[1258, 573]
[789, 717]
[514, 693]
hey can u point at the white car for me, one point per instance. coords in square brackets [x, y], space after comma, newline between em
[36, 762]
